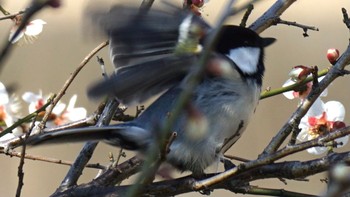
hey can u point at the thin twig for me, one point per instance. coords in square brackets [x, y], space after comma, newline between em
[11, 16]
[269, 93]
[315, 77]
[28, 118]
[267, 19]
[5, 12]
[232, 157]
[120, 154]
[117, 173]
[20, 172]
[69, 81]
[48, 159]
[305, 28]
[246, 15]
[346, 19]
[103, 67]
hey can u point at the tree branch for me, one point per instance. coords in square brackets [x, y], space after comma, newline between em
[13, 153]
[86, 153]
[305, 28]
[267, 19]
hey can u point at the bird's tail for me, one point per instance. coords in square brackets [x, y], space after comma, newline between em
[126, 136]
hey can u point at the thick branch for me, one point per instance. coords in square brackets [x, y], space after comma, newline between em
[243, 173]
[288, 170]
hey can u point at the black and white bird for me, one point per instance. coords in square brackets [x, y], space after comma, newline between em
[155, 52]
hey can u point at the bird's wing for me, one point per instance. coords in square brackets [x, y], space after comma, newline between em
[136, 35]
[137, 83]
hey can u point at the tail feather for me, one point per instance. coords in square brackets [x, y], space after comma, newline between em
[128, 137]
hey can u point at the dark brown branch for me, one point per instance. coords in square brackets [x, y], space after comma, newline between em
[116, 174]
[246, 15]
[294, 170]
[346, 19]
[314, 73]
[20, 172]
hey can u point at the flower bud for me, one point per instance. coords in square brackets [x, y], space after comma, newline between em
[198, 3]
[332, 55]
[299, 73]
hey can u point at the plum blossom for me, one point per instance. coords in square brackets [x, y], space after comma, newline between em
[9, 107]
[9, 110]
[60, 114]
[71, 113]
[297, 74]
[29, 33]
[321, 119]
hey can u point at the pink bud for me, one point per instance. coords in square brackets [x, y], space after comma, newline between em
[337, 125]
[332, 55]
[299, 73]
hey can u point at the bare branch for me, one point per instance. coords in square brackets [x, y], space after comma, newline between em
[305, 28]
[20, 172]
[48, 159]
[246, 15]
[267, 19]
[346, 19]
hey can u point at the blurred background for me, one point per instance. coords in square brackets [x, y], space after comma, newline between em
[46, 64]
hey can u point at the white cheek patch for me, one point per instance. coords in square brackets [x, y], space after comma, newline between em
[184, 28]
[246, 58]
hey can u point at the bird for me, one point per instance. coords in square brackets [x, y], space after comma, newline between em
[155, 52]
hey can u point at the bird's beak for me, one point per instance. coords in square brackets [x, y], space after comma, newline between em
[268, 41]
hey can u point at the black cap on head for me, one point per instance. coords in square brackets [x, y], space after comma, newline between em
[235, 36]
